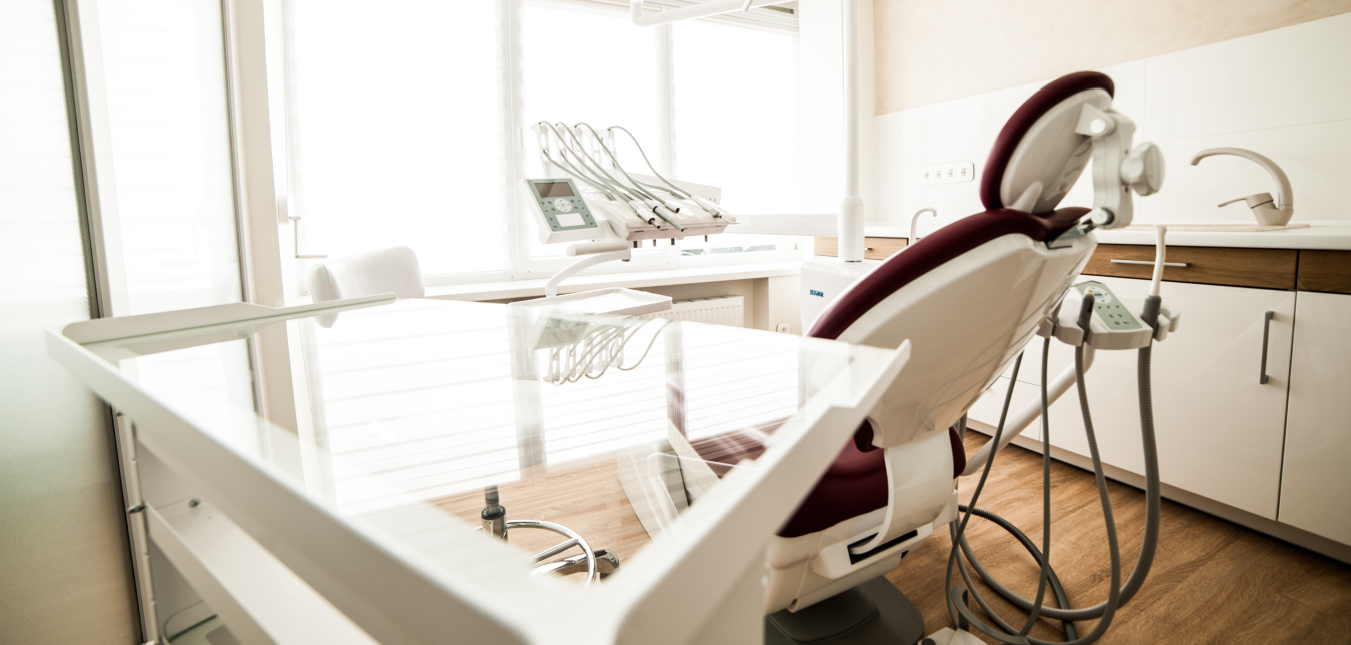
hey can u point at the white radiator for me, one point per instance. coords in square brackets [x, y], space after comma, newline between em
[721, 310]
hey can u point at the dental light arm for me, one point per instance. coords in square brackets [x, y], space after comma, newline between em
[596, 252]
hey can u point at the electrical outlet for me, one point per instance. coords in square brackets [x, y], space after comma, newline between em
[948, 173]
[782, 328]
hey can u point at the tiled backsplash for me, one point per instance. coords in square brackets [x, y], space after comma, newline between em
[1284, 93]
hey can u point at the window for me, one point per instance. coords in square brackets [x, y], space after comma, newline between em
[159, 132]
[398, 130]
[416, 132]
[162, 140]
[737, 123]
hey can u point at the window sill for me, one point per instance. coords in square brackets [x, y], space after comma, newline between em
[635, 280]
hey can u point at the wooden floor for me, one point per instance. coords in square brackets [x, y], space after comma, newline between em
[1212, 581]
[584, 495]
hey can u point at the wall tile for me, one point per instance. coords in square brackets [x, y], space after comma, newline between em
[887, 169]
[1283, 93]
[1284, 77]
[951, 131]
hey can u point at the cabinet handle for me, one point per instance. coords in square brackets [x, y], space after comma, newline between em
[1181, 265]
[1266, 337]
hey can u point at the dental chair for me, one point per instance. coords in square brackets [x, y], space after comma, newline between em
[969, 298]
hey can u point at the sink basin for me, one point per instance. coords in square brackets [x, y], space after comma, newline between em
[1216, 228]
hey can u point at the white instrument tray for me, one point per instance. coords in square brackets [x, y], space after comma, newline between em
[613, 301]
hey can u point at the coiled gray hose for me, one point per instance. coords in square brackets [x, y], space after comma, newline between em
[1118, 596]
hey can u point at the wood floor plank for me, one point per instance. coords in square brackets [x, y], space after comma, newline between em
[1211, 582]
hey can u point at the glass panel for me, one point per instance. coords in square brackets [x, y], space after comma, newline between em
[156, 73]
[65, 558]
[399, 137]
[610, 426]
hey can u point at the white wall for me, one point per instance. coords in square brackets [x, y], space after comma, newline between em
[1284, 93]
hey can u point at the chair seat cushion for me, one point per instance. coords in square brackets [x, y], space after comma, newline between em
[855, 484]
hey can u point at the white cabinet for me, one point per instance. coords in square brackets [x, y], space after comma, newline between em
[1317, 478]
[1219, 429]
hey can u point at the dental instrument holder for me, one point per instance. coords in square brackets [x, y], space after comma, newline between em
[633, 203]
[1119, 323]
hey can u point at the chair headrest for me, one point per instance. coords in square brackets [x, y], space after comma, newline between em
[1038, 143]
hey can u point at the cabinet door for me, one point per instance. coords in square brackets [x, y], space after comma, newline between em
[1316, 476]
[1219, 429]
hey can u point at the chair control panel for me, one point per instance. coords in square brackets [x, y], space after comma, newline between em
[1108, 309]
[561, 214]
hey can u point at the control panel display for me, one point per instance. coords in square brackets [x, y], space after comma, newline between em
[555, 189]
[560, 211]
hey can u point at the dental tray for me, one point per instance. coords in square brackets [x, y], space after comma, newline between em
[613, 301]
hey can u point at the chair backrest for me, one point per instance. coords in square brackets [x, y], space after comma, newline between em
[970, 296]
[394, 270]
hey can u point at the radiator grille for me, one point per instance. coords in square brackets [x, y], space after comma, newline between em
[719, 310]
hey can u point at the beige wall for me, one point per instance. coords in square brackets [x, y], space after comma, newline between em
[928, 52]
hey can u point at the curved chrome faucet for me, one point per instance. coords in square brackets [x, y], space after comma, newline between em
[1268, 211]
[914, 223]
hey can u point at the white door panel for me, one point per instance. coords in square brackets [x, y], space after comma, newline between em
[1318, 434]
[1220, 430]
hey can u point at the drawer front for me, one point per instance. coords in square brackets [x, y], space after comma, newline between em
[1259, 268]
[874, 248]
[1327, 271]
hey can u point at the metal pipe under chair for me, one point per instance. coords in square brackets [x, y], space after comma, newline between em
[597, 563]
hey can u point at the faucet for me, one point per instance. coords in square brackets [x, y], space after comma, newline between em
[914, 223]
[1268, 211]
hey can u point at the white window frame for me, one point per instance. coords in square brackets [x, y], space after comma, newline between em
[519, 227]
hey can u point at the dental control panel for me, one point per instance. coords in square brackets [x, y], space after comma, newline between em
[1108, 309]
[560, 212]
[1115, 323]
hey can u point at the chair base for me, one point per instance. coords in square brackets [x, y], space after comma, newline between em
[873, 613]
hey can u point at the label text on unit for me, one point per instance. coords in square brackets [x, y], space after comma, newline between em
[816, 293]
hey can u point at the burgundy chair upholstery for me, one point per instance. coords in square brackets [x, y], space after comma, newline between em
[857, 481]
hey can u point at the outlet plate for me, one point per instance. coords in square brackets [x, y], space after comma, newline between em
[948, 173]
